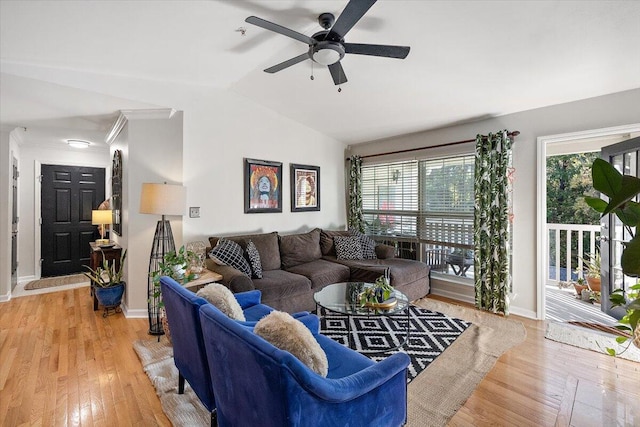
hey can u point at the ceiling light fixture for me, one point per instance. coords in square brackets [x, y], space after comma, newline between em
[326, 52]
[78, 143]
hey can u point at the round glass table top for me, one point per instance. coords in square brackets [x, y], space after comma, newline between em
[344, 298]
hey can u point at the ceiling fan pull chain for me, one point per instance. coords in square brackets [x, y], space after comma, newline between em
[311, 70]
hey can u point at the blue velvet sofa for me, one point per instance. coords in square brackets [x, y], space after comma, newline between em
[182, 307]
[257, 384]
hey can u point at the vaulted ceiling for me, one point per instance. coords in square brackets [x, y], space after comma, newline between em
[469, 60]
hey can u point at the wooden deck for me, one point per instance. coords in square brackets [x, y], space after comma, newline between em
[563, 306]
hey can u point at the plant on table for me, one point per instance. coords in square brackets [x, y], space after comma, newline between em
[107, 275]
[175, 265]
[621, 190]
[379, 292]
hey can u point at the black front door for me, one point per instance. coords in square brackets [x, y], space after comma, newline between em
[625, 157]
[69, 194]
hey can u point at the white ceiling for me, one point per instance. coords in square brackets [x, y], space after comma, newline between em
[469, 60]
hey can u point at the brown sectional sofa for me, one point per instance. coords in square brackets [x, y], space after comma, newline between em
[298, 265]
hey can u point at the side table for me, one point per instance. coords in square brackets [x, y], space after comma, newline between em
[98, 254]
[206, 277]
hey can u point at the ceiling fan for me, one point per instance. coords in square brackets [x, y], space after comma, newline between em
[328, 47]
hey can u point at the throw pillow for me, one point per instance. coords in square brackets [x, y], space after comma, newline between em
[254, 259]
[289, 334]
[326, 241]
[348, 247]
[367, 243]
[223, 299]
[230, 253]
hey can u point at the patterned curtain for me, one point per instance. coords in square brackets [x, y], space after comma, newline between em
[492, 229]
[355, 218]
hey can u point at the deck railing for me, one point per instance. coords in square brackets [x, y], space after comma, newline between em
[568, 245]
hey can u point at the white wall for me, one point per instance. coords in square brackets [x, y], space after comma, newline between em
[220, 129]
[31, 157]
[151, 144]
[5, 216]
[594, 113]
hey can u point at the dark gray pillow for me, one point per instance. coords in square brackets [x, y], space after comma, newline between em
[296, 249]
[254, 259]
[348, 247]
[230, 253]
[367, 243]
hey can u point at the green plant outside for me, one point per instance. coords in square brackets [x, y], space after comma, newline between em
[621, 190]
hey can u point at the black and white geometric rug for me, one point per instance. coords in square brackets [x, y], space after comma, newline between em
[430, 333]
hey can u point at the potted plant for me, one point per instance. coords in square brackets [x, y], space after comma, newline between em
[378, 295]
[175, 264]
[592, 265]
[580, 285]
[108, 284]
[621, 190]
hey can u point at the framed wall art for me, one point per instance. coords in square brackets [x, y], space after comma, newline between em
[262, 186]
[305, 188]
[116, 192]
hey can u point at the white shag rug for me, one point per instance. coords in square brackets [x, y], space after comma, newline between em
[590, 339]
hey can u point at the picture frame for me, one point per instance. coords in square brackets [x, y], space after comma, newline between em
[116, 192]
[262, 186]
[305, 188]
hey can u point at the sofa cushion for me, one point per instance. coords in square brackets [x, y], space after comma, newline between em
[289, 334]
[322, 273]
[223, 299]
[254, 259]
[348, 247]
[326, 241]
[401, 270]
[280, 284]
[230, 253]
[296, 249]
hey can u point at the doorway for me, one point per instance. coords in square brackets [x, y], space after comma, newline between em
[625, 157]
[576, 142]
[68, 195]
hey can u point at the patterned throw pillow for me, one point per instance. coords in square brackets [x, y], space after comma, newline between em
[348, 247]
[230, 253]
[367, 243]
[254, 259]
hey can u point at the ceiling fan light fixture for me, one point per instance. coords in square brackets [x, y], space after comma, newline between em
[327, 53]
[78, 143]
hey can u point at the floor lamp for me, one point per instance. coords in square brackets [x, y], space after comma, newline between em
[160, 199]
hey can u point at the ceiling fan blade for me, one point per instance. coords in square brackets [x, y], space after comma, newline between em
[280, 29]
[387, 51]
[337, 73]
[351, 14]
[287, 63]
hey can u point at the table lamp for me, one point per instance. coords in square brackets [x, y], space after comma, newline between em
[102, 217]
[160, 199]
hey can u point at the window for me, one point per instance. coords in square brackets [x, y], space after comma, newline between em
[424, 208]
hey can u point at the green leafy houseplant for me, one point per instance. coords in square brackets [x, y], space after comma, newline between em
[379, 292]
[107, 275]
[621, 191]
[174, 265]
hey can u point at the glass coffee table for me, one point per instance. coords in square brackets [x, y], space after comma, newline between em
[344, 298]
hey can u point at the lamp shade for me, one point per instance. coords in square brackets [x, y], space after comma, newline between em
[101, 217]
[163, 199]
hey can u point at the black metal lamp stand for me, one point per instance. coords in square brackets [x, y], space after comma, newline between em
[162, 244]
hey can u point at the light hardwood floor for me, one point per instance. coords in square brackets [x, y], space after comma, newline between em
[61, 363]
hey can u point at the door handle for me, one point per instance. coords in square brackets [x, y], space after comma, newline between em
[603, 238]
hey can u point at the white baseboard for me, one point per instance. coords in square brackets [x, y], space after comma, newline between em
[134, 314]
[523, 312]
[453, 295]
[6, 297]
[27, 278]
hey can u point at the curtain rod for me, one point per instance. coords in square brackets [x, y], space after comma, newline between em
[446, 144]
